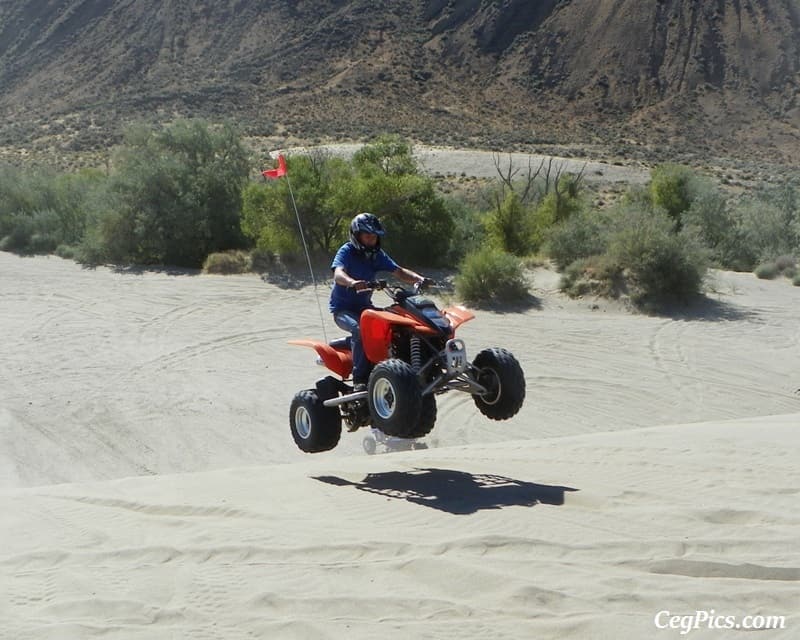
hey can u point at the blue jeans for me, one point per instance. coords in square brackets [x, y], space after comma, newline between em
[348, 321]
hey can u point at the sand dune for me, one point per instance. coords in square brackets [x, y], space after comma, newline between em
[150, 487]
[586, 536]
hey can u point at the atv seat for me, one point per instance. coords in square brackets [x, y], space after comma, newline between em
[342, 344]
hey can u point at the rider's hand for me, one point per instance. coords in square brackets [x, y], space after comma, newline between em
[425, 282]
[359, 285]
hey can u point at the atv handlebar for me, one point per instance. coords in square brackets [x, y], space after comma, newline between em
[396, 292]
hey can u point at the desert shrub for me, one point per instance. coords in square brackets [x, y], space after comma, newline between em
[786, 263]
[595, 275]
[764, 232]
[268, 220]
[767, 271]
[227, 262]
[660, 265]
[523, 216]
[329, 192]
[491, 275]
[18, 229]
[40, 210]
[176, 195]
[66, 251]
[419, 226]
[268, 210]
[510, 225]
[796, 280]
[710, 218]
[563, 200]
[580, 236]
[767, 225]
[389, 154]
[671, 189]
[418, 222]
[262, 261]
[37, 232]
[469, 232]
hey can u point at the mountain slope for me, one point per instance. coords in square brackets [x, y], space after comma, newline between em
[714, 76]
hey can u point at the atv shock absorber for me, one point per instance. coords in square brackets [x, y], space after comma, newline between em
[416, 353]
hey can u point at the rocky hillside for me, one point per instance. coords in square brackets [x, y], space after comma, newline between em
[711, 77]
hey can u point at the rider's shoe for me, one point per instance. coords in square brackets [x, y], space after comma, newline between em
[359, 386]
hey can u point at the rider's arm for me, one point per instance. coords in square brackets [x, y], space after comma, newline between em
[340, 277]
[406, 275]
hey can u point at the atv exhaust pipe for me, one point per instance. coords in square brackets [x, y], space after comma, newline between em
[350, 397]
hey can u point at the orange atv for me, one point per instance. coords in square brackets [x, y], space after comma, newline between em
[416, 355]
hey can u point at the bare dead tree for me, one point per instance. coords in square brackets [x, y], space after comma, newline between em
[509, 173]
[561, 187]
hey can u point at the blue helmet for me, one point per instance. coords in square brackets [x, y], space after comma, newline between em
[366, 223]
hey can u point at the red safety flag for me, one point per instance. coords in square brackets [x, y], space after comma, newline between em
[276, 173]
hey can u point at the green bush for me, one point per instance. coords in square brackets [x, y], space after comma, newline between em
[580, 236]
[671, 189]
[418, 223]
[389, 154]
[176, 195]
[510, 225]
[40, 210]
[491, 275]
[269, 216]
[469, 232]
[767, 271]
[767, 225]
[38, 232]
[68, 252]
[593, 275]
[787, 264]
[262, 261]
[329, 192]
[796, 280]
[227, 262]
[659, 265]
[710, 218]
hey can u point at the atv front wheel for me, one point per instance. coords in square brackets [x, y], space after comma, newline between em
[394, 398]
[314, 426]
[427, 418]
[499, 372]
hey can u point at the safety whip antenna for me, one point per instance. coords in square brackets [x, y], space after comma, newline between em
[279, 173]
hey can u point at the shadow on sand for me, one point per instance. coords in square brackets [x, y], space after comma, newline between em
[138, 270]
[520, 306]
[456, 492]
[705, 309]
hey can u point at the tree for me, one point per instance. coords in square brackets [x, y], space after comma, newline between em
[671, 189]
[389, 154]
[178, 194]
[318, 181]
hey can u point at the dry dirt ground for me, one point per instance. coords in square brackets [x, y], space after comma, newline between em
[482, 164]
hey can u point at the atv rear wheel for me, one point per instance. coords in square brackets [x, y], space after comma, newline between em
[394, 398]
[499, 372]
[314, 426]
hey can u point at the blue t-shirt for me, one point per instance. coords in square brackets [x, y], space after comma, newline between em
[358, 267]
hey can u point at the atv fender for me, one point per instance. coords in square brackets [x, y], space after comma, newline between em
[457, 315]
[376, 331]
[340, 362]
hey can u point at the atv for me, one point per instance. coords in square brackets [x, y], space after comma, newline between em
[416, 357]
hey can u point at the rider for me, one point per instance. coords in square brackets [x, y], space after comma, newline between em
[355, 264]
